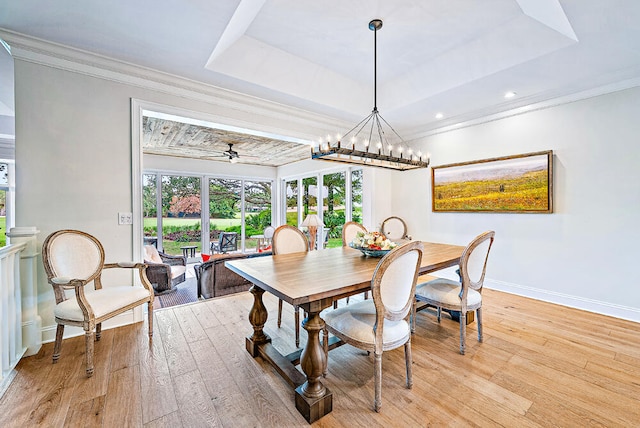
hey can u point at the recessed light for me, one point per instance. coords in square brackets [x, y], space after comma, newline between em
[439, 115]
[510, 94]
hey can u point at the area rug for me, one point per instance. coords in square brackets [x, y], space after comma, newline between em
[186, 292]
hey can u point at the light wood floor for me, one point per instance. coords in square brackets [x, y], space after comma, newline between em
[540, 365]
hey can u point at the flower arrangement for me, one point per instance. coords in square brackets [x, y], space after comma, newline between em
[372, 241]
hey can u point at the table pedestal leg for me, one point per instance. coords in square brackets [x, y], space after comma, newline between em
[257, 318]
[313, 399]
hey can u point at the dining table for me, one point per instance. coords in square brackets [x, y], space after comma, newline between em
[313, 280]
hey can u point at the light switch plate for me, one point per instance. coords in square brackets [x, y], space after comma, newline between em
[125, 218]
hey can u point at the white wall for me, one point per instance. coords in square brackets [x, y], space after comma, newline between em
[582, 255]
[74, 150]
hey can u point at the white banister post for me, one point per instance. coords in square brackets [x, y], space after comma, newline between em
[31, 321]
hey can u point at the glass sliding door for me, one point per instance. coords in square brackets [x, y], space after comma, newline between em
[333, 207]
[225, 212]
[291, 195]
[180, 206]
[356, 195]
[257, 211]
[150, 203]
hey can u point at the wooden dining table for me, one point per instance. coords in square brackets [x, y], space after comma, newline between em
[313, 281]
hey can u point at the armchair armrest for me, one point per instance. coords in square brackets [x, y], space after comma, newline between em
[124, 265]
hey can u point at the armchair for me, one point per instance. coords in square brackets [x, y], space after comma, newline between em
[164, 271]
[72, 260]
[228, 241]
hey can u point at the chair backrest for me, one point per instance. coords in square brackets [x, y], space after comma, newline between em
[151, 254]
[473, 262]
[394, 228]
[349, 231]
[268, 232]
[393, 285]
[228, 241]
[289, 239]
[72, 254]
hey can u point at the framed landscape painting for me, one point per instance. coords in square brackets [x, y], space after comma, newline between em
[511, 184]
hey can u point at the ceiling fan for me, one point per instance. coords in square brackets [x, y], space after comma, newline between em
[233, 155]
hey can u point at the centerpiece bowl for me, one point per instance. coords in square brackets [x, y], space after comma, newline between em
[369, 252]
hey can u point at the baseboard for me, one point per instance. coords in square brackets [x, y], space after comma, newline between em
[49, 332]
[589, 305]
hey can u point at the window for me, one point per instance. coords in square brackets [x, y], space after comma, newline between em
[340, 195]
[173, 204]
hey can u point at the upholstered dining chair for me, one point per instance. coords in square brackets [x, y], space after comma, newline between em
[288, 239]
[463, 296]
[395, 229]
[382, 323]
[349, 231]
[74, 259]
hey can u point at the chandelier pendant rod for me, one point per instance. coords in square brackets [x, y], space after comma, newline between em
[375, 27]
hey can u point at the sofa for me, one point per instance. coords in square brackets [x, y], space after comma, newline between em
[215, 279]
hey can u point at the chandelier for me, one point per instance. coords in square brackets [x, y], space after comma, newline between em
[376, 149]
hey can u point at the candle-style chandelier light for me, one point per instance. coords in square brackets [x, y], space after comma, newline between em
[377, 150]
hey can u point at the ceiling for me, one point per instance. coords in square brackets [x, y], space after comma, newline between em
[454, 57]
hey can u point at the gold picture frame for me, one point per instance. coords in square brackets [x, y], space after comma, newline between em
[511, 184]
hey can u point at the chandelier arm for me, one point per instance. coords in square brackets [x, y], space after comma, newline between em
[391, 127]
[363, 122]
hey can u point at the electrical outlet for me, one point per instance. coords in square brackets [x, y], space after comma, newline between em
[125, 218]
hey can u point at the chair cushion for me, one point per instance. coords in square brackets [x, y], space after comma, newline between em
[151, 254]
[447, 292]
[177, 270]
[356, 322]
[103, 301]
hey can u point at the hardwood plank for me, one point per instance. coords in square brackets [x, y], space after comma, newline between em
[54, 398]
[194, 403]
[123, 406]
[205, 316]
[155, 379]
[96, 385]
[189, 324]
[18, 400]
[178, 355]
[87, 414]
[125, 345]
[172, 420]
[227, 397]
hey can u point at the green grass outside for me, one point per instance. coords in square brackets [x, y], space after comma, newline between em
[3, 230]
[220, 223]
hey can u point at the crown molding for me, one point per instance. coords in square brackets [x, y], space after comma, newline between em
[42, 52]
[625, 79]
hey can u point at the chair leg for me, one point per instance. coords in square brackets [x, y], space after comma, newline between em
[479, 314]
[279, 312]
[377, 375]
[366, 295]
[413, 317]
[439, 313]
[463, 331]
[409, 362]
[347, 300]
[297, 318]
[335, 304]
[98, 331]
[150, 315]
[58, 344]
[88, 340]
